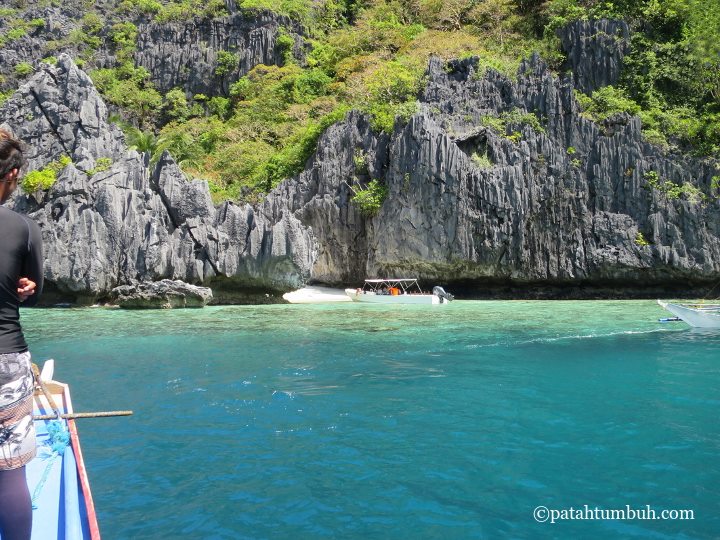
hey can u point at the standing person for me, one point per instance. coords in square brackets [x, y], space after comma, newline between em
[20, 275]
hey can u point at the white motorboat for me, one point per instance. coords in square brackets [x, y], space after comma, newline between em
[397, 291]
[697, 315]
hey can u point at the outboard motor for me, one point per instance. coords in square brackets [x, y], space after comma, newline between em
[440, 293]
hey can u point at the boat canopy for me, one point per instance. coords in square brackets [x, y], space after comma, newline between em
[406, 285]
[394, 280]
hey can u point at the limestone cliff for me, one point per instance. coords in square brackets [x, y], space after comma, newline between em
[135, 222]
[595, 52]
[557, 201]
[564, 204]
[185, 55]
[176, 54]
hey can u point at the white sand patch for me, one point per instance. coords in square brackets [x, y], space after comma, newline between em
[316, 295]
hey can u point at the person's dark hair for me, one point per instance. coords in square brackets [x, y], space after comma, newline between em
[11, 153]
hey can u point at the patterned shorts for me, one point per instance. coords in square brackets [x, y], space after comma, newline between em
[17, 431]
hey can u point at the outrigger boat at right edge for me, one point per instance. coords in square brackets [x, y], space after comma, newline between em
[397, 291]
[696, 315]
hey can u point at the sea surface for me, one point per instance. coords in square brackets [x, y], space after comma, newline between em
[421, 422]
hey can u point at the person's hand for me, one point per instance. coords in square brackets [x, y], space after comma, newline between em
[26, 288]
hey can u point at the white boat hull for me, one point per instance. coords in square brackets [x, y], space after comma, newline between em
[699, 317]
[371, 297]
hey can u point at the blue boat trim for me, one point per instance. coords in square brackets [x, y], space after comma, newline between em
[55, 477]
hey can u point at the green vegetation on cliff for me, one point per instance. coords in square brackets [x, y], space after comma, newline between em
[44, 178]
[371, 55]
[671, 76]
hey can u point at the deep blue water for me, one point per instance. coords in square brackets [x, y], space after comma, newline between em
[355, 421]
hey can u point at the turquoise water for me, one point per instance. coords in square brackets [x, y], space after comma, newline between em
[357, 421]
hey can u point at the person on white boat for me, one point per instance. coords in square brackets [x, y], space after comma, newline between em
[21, 279]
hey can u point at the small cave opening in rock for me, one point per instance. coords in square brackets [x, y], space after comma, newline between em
[476, 147]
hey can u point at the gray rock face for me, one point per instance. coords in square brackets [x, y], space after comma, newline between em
[59, 22]
[561, 205]
[135, 223]
[164, 294]
[177, 55]
[59, 112]
[595, 51]
[320, 198]
[565, 204]
[185, 55]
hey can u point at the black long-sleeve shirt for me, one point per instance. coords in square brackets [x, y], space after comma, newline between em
[20, 256]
